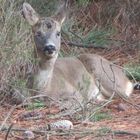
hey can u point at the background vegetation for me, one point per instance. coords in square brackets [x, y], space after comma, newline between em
[111, 26]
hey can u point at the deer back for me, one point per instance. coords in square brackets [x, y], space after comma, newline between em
[108, 76]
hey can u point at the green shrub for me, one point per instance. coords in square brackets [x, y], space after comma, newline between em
[98, 37]
[83, 2]
[133, 70]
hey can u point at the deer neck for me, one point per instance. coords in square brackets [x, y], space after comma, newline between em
[45, 73]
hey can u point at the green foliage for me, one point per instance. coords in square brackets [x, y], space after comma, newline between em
[18, 83]
[83, 2]
[133, 70]
[98, 37]
[72, 31]
[36, 104]
[70, 35]
[100, 116]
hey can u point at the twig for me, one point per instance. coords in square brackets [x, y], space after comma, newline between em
[114, 90]
[76, 35]
[76, 131]
[99, 108]
[22, 130]
[122, 132]
[42, 94]
[82, 45]
[126, 71]
[9, 129]
[125, 99]
[106, 72]
[61, 114]
[121, 96]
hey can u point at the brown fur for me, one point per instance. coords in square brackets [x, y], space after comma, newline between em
[84, 78]
[110, 76]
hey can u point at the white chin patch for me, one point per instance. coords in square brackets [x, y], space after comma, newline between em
[50, 54]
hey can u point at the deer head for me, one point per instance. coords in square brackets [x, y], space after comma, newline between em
[46, 30]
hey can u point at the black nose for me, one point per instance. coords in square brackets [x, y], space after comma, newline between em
[49, 48]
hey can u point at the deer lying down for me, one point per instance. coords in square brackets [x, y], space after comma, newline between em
[86, 77]
[110, 77]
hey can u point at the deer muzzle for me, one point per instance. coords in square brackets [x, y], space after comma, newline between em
[49, 48]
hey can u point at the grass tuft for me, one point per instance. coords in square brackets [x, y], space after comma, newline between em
[100, 116]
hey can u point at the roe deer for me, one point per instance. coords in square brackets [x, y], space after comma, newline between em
[61, 78]
[86, 77]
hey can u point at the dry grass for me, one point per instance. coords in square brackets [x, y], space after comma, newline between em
[15, 44]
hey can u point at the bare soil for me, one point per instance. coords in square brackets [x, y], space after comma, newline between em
[123, 124]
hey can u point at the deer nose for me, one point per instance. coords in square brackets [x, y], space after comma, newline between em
[50, 48]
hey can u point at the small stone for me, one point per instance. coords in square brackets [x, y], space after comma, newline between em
[28, 135]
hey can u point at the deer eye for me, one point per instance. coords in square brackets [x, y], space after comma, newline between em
[38, 33]
[58, 34]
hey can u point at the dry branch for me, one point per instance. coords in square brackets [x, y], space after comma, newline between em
[75, 131]
[8, 131]
[121, 132]
[82, 45]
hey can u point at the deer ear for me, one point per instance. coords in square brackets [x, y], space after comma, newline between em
[29, 14]
[61, 14]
